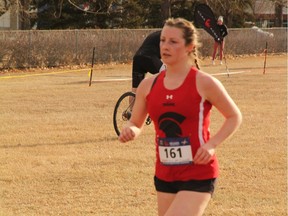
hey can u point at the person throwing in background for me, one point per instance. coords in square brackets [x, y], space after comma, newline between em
[146, 59]
[217, 44]
[179, 100]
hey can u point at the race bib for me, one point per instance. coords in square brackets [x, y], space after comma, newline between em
[175, 151]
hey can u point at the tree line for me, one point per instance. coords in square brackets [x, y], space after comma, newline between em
[104, 14]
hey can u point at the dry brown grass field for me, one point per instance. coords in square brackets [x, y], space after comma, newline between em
[59, 154]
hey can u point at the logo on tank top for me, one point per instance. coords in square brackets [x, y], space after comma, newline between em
[170, 122]
[169, 101]
[169, 97]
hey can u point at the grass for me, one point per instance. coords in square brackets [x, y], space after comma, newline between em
[59, 154]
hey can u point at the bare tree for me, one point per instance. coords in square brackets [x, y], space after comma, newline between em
[279, 5]
[229, 9]
[166, 9]
[4, 6]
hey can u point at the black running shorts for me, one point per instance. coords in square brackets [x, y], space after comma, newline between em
[205, 186]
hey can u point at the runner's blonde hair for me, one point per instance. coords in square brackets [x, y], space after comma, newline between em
[190, 35]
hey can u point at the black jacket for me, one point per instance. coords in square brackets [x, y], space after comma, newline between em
[223, 31]
[151, 45]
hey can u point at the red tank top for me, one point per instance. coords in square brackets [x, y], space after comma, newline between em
[181, 120]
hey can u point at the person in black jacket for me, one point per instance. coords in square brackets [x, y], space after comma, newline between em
[146, 59]
[224, 33]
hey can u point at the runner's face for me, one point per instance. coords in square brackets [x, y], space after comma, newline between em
[172, 45]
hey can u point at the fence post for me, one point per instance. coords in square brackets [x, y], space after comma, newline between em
[76, 44]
